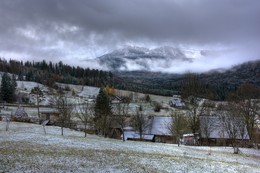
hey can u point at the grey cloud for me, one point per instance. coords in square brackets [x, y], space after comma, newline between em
[78, 27]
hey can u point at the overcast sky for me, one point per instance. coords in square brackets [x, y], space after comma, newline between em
[76, 30]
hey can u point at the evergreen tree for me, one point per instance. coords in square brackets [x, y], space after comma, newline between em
[13, 82]
[20, 76]
[102, 113]
[8, 87]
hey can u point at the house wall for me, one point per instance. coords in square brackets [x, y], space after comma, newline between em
[257, 135]
[223, 142]
[116, 133]
[164, 139]
[53, 117]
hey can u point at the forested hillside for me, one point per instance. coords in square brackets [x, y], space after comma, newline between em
[219, 82]
[48, 73]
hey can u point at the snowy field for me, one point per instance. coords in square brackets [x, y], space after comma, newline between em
[25, 148]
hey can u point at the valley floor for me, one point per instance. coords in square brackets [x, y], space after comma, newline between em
[25, 148]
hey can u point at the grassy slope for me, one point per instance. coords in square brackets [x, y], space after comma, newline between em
[25, 148]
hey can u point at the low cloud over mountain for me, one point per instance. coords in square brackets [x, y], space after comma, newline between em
[168, 59]
[139, 58]
[77, 32]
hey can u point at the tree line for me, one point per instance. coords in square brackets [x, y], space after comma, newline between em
[217, 84]
[48, 73]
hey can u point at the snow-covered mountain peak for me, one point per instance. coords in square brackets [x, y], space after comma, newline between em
[130, 51]
[132, 57]
[167, 51]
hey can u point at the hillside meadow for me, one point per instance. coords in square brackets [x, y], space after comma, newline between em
[25, 148]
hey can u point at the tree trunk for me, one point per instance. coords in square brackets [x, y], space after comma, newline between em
[62, 130]
[236, 150]
[85, 130]
[207, 139]
[178, 140]
[123, 135]
[7, 124]
[44, 130]
[38, 108]
[235, 147]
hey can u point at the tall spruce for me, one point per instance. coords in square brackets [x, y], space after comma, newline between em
[103, 113]
[8, 86]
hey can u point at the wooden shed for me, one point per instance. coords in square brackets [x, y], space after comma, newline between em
[51, 115]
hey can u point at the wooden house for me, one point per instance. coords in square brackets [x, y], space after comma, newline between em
[160, 130]
[176, 102]
[116, 130]
[212, 132]
[51, 115]
[116, 100]
[190, 139]
[156, 131]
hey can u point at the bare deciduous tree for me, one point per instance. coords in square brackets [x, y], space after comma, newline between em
[248, 110]
[234, 125]
[246, 99]
[38, 92]
[194, 113]
[65, 109]
[122, 113]
[178, 125]
[207, 121]
[140, 122]
[86, 115]
[207, 126]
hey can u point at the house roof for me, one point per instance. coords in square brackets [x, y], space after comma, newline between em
[160, 126]
[179, 104]
[116, 99]
[156, 126]
[216, 128]
[21, 112]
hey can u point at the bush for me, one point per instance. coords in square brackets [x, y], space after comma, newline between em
[147, 98]
[157, 107]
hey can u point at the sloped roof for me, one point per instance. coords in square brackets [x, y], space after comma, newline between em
[179, 104]
[216, 128]
[116, 98]
[160, 126]
[21, 112]
[156, 126]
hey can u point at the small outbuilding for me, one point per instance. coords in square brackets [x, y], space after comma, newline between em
[156, 131]
[51, 115]
[21, 115]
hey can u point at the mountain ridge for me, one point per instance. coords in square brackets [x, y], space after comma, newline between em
[221, 81]
[134, 58]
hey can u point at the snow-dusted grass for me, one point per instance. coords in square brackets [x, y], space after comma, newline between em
[25, 148]
[28, 85]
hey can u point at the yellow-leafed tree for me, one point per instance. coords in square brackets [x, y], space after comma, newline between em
[107, 90]
[113, 91]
